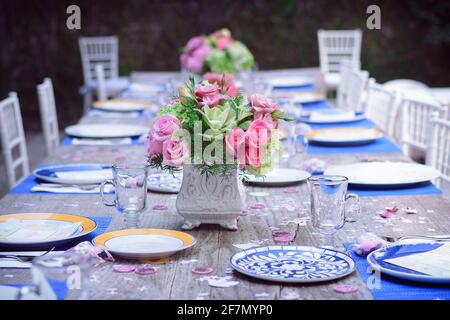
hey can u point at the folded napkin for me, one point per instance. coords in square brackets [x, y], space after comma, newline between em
[331, 115]
[68, 189]
[97, 175]
[101, 142]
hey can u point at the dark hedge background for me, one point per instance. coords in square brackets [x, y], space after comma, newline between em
[414, 40]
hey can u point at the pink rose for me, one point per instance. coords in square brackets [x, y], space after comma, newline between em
[228, 88]
[164, 127]
[235, 142]
[175, 152]
[201, 53]
[258, 133]
[273, 124]
[207, 94]
[223, 42]
[154, 147]
[194, 43]
[262, 105]
[254, 155]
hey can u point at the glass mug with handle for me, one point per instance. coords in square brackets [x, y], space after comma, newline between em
[130, 192]
[329, 199]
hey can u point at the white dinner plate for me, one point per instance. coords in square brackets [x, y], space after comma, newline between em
[165, 182]
[280, 177]
[86, 227]
[121, 105]
[380, 261]
[344, 136]
[144, 243]
[289, 81]
[105, 131]
[331, 117]
[75, 173]
[384, 174]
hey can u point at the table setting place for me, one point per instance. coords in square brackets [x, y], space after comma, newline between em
[229, 184]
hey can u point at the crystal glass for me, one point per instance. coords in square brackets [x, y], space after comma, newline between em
[328, 205]
[290, 143]
[130, 189]
[62, 276]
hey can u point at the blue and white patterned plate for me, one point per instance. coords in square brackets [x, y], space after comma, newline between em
[377, 260]
[295, 264]
[165, 182]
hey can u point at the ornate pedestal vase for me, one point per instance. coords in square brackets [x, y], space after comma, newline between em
[210, 199]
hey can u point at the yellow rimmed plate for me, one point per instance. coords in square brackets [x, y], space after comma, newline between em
[144, 243]
[344, 136]
[122, 105]
[87, 226]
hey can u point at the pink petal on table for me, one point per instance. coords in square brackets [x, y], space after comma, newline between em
[291, 190]
[281, 233]
[366, 247]
[160, 207]
[202, 270]
[257, 206]
[387, 214]
[245, 213]
[286, 238]
[392, 209]
[123, 268]
[345, 288]
[145, 270]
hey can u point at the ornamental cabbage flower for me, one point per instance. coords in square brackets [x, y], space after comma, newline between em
[218, 62]
[240, 55]
[219, 119]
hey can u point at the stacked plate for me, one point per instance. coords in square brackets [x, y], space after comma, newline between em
[344, 136]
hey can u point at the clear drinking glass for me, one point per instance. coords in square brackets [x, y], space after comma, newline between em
[130, 188]
[329, 198]
[62, 276]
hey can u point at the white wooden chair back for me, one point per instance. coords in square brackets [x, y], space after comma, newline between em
[337, 45]
[357, 85]
[49, 117]
[415, 119]
[381, 107]
[101, 86]
[99, 50]
[438, 150]
[347, 66]
[13, 140]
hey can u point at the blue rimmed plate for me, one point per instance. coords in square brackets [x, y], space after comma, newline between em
[74, 173]
[294, 264]
[165, 182]
[378, 261]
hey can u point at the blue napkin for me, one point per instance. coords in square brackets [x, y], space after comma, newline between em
[425, 188]
[382, 145]
[391, 288]
[300, 88]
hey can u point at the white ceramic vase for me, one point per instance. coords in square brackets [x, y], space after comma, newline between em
[210, 199]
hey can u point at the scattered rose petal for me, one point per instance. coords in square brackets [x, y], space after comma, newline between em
[366, 247]
[202, 270]
[123, 268]
[160, 207]
[409, 210]
[222, 282]
[257, 206]
[285, 238]
[387, 214]
[245, 213]
[392, 209]
[145, 270]
[345, 288]
[290, 190]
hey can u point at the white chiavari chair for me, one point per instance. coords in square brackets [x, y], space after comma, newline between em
[415, 118]
[335, 46]
[101, 88]
[381, 107]
[104, 51]
[347, 66]
[356, 87]
[13, 140]
[49, 117]
[438, 149]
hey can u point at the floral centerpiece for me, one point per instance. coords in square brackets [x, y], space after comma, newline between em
[217, 52]
[212, 132]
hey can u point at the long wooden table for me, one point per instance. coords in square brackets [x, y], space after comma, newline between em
[174, 280]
